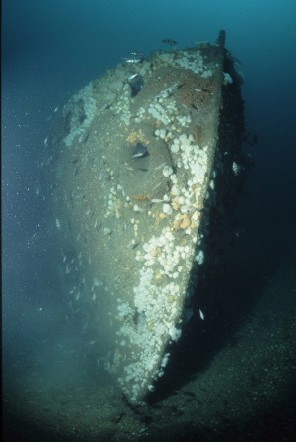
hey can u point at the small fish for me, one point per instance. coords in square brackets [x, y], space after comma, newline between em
[169, 41]
[132, 60]
[201, 315]
[58, 223]
[236, 168]
[132, 77]
[194, 107]
[105, 106]
[254, 140]
[251, 139]
[140, 151]
[157, 200]
[45, 141]
[56, 109]
[160, 166]
[136, 54]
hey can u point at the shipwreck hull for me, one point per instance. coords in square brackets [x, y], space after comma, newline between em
[142, 155]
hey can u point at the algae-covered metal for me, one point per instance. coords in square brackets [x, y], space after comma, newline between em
[134, 179]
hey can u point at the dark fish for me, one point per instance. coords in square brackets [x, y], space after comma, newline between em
[203, 89]
[169, 41]
[136, 84]
[140, 151]
[251, 139]
[194, 106]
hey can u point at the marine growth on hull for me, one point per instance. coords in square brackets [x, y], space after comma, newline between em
[140, 159]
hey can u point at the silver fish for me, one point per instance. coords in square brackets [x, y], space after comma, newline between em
[132, 60]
